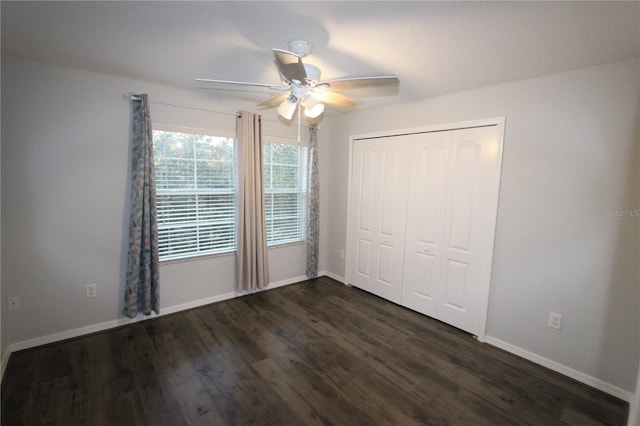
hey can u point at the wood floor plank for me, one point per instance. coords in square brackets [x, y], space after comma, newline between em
[313, 353]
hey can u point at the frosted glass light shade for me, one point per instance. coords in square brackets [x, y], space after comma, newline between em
[287, 108]
[313, 107]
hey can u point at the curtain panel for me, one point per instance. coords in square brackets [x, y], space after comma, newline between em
[142, 293]
[252, 263]
[313, 205]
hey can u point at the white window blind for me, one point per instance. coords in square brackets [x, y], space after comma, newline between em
[195, 189]
[285, 184]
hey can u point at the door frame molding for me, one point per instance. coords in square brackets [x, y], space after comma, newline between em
[487, 122]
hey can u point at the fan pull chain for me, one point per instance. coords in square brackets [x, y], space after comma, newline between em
[299, 109]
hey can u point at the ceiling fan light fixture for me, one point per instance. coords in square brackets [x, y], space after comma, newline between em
[313, 107]
[288, 107]
[299, 81]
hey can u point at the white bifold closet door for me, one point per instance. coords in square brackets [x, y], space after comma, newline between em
[380, 173]
[422, 221]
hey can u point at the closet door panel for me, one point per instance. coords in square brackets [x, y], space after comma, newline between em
[420, 289]
[363, 197]
[379, 191]
[363, 253]
[425, 216]
[464, 191]
[385, 265]
[469, 228]
[456, 285]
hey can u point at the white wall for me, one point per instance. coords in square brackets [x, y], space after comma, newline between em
[570, 154]
[65, 168]
[3, 336]
[634, 409]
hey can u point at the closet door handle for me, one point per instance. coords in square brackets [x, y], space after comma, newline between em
[386, 240]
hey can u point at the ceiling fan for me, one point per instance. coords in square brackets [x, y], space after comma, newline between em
[301, 87]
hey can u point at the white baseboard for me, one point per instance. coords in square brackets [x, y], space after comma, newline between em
[634, 407]
[227, 296]
[4, 361]
[332, 275]
[562, 369]
[288, 281]
[106, 325]
[196, 303]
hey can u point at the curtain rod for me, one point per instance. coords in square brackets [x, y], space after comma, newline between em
[238, 114]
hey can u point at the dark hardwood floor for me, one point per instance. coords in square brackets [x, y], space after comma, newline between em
[317, 352]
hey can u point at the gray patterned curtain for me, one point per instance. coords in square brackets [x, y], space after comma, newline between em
[142, 293]
[253, 268]
[313, 208]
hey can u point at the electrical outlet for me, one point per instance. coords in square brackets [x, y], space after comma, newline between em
[91, 290]
[555, 320]
[341, 253]
[13, 303]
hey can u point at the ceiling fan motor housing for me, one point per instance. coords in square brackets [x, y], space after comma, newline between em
[300, 47]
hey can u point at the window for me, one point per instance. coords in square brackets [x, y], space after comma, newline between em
[196, 193]
[285, 186]
[195, 189]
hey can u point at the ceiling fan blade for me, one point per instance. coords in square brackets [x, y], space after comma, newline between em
[333, 98]
[290, 66]
[273, 101]
[242, 83]
[361, 82]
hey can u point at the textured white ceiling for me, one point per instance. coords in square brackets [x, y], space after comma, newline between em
[434, 47]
